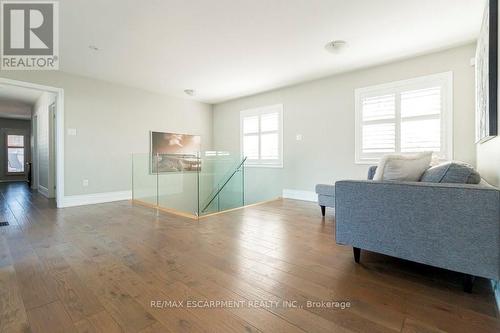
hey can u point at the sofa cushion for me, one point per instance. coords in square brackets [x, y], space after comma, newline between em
[451, 172]
[326, 200]
[325, 189]
[403, 167]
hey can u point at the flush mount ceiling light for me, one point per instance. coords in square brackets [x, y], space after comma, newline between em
[335, 46]
[189, 92]
[93, 47]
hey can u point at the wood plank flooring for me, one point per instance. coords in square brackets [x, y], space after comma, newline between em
[112, 267]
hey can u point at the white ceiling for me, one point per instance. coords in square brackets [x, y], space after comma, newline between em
[14, 109]
[19, 94]
[17, 102]
[225, 49]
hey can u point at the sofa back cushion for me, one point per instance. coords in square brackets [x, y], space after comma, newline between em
[451, 172]
[403, 167]
[371, 172]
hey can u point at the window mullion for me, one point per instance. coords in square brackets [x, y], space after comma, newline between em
[422, 117]
[381, 121]
[398, 122]
[443, 151]
[259, 139]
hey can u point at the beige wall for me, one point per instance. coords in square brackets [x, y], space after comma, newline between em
[323, 112]
[112, 121]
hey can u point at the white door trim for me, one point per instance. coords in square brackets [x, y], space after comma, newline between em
[59, 130]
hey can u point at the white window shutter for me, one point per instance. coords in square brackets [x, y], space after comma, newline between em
[378, 128]
[405, 117]
[262, 136]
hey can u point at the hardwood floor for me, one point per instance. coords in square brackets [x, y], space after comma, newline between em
[99, 268]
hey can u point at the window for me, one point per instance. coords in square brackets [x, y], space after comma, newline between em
[15, 153]
[405, 117]
[262, 136]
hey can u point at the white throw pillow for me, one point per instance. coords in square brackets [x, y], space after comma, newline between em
[403, 167]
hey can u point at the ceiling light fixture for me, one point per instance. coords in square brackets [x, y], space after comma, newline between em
[335, 46]
[189, 92]
[93, 47]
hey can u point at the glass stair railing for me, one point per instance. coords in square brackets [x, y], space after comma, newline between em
[231, 190]
[195, 185]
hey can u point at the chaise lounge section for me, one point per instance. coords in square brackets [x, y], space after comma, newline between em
[326, 196]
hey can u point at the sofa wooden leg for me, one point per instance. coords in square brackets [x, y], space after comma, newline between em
[323, 210]
[468, 283]
[357, 254]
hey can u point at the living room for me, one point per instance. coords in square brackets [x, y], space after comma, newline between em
[263, 166]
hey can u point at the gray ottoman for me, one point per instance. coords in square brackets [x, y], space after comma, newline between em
[326, 196]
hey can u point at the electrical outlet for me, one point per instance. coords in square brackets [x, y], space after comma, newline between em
[85, 182]
[72, 131]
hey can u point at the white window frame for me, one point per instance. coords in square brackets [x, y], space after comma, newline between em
[277, 108]
[445, 80]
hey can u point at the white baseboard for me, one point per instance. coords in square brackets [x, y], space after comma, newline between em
[43, 191]
[300, 195]
[94, 198]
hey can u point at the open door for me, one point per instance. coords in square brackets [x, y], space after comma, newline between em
[52, 150]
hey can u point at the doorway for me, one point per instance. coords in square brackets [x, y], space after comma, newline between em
[44, 164]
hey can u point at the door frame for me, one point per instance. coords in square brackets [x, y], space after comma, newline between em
[59, 133]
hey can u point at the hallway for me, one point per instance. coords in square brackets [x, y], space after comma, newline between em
[20, 206]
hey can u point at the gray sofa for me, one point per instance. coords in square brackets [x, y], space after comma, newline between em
[451, 226]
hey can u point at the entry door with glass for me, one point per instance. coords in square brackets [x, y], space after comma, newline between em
[15, 153]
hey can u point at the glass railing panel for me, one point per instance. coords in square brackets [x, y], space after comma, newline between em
[202, 182]
[232, 195]
[211, 207]
[178, 182]
[217, 169]
[144, 179]
[262, 184]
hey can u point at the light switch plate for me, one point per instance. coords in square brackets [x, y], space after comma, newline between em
[72, 131]
[299, 137]
[85, 182]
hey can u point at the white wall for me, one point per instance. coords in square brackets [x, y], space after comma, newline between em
[488, 158]
[323, 112]
[113, 121]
